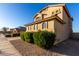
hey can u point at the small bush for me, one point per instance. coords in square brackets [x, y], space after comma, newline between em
[36, 38]
[28, 37]
[22, 36]
[44, 39]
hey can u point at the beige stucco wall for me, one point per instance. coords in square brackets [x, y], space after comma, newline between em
[54, 9]
[29, 29]
[63, 31]
[68, 25]
[50, 26]
[32, 27]
[59, 31]
[40, 26]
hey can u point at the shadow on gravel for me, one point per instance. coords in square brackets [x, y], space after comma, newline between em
[69, 47]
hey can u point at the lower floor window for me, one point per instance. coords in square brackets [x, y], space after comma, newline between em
[35, 27]
[44, 25]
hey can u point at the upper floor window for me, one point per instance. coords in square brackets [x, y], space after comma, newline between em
[44, 16]
[56, 12]
[38, 18]
[44, 25]
[35, 27]
[52, 12]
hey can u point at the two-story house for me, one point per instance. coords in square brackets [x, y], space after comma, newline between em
[53, 18]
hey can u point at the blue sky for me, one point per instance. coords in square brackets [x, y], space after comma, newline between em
[14, 15]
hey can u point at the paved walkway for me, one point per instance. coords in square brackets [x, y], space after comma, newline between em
[6, 48]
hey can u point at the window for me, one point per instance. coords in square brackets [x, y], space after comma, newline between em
[35, 27]
[44, 25]
[52, 12]
[44, 16]
[58, 11]
[38, 18]
[27, 28]
[30, 27]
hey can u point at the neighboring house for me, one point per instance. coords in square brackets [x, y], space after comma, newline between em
[22, 28]
[53, 18]
[18, 29]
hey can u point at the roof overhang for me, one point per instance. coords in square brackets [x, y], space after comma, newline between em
[55, 17]
[56, 5]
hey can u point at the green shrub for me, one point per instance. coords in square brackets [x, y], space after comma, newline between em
[44, 39]
[22, 36]
[36, 38]
[28, 37]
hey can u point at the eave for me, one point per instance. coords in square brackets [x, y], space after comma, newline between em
[57, 5]
[55, 17]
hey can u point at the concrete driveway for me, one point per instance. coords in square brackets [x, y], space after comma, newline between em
[6, 48]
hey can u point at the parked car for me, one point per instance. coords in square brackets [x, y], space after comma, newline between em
[8, 34]
[15, 34]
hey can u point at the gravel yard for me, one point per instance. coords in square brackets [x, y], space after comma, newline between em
[67, 48]
[27, 49]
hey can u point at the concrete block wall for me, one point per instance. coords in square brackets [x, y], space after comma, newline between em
[75, 36]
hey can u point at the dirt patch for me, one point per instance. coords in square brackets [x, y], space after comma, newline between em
[27, 49]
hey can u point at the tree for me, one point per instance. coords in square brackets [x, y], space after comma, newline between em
[4, 29]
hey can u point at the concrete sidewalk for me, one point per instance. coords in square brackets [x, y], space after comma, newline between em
[6, 48]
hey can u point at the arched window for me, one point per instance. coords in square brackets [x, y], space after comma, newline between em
[35, 27]
[44, 25]
[44, 16]
[38, 18]
[28, 28]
